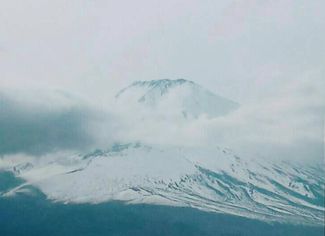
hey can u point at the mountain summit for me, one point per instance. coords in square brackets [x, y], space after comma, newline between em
[182, 97]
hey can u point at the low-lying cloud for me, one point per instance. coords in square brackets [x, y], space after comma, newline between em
[288, 125]
[39, 122]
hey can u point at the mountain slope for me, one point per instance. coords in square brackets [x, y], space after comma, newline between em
[211, 179]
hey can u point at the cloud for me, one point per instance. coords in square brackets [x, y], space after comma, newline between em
[286, 125]
[39, 122]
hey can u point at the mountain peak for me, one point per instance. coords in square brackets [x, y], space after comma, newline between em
[181, 96]
[162, 82]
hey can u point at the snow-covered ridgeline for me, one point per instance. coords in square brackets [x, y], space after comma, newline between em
[211, 179]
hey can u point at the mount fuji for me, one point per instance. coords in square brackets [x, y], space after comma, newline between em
[211, 178]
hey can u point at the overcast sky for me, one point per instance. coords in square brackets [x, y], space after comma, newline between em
[261, 53]
[239, 49]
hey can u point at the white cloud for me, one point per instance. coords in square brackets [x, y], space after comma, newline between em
[287, 125]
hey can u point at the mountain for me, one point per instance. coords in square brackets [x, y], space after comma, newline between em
[177, 97]
[210, 179]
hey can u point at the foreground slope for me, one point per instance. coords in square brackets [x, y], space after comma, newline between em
[35, 215]
[211, 179]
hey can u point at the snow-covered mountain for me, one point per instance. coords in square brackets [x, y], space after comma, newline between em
[180, 97]
[210, 179]
[207, 178]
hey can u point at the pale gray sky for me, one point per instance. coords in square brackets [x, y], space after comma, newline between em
[239, 49]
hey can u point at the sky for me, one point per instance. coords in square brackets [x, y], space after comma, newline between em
[266, 55]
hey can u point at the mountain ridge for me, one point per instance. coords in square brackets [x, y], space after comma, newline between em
[213, 179]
